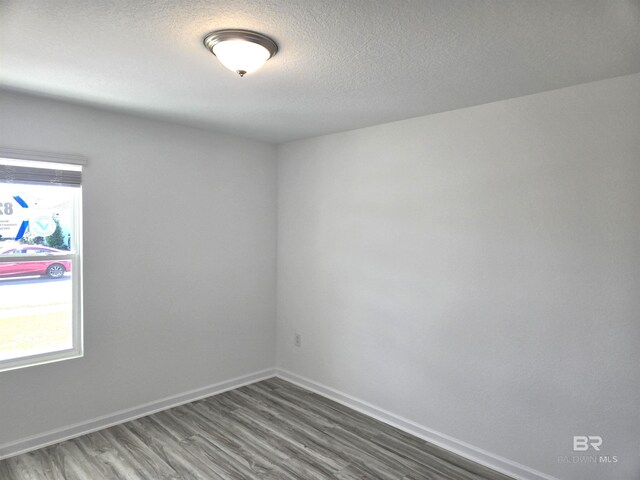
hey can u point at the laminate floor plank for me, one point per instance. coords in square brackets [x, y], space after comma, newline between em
[62, 461]
[135, 452]
[4, 469]
[270, 430]
[314, 435]
[27, 467]
[347, 433]
[93, 444]
[220, 427]
[227, 464]
[291, 459]
[447, 465]
[184, 462]
[310, 439]
[244, 455]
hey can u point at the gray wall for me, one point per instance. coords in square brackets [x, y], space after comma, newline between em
[179, 242]
[476, 271]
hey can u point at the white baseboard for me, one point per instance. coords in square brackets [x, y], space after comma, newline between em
[478, 455]
[65, 433]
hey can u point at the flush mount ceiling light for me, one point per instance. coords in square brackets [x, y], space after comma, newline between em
[241, 51]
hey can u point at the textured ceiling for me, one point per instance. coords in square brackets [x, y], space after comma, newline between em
[342, 64]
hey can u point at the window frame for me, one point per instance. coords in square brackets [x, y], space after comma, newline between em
[77, 350]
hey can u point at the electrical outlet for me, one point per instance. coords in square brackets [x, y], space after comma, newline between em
[297, 340]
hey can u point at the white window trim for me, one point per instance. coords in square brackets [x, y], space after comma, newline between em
[9, 155]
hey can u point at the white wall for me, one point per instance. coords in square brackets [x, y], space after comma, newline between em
[180, 244]
[476, 272]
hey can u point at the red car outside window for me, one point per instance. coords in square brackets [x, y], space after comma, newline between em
[54, 268]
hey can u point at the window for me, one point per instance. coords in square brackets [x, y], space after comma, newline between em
[40, 262]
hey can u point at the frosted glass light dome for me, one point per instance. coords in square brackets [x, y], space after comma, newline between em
[241, 51]
[241, 56]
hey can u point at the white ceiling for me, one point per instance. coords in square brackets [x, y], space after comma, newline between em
[342, 64]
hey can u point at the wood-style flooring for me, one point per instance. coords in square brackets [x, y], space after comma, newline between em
[267, 430]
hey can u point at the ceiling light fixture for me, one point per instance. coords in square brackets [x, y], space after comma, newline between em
[241, 51]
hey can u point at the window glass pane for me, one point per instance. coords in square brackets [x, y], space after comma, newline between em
[39, 304]
[36, 311]
[37, 215]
